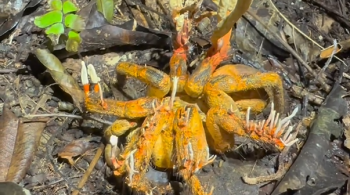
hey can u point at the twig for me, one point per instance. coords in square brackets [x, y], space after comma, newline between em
[100, 120]
[51, 183]
[335, 43]
[68, 115]
[323, 84]
[49, 152]
[53, 115]
[90, 169]
[6, 71]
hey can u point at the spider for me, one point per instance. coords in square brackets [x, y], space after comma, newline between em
[204, 111]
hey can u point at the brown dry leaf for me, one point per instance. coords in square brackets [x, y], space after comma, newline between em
[323, 22]
[64, 80]
[346, 121]
[182, 4]
[236, 8]
[76, 148]
[130, 33]
[139, 17]
[183, 9]
[18, 144]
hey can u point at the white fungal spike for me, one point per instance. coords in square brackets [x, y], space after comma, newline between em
[274, 125]
[113, 140]
[271, 116]
[188, 111]
[84, 74]
[247, 117]
[132, 170]
[190, 151]
[173, 91]
[95, 79]
[285, 120]
[93, 75]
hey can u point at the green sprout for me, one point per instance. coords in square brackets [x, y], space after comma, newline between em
[62, 16]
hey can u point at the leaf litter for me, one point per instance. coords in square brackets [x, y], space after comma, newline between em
[19, 141]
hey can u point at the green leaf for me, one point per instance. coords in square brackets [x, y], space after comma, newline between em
[73, 41]
[74, 22]
[69, 19]
[106, 7]
[48, 19]
[56, 5]
[69, 7]
[54, 32]
[55, 29]
[74, 35]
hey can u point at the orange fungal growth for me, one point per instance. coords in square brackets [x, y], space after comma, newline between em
[187, 115]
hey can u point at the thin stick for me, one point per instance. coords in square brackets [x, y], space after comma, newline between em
[90, 169]
[53, 115]
[5, 71]
[69, 116]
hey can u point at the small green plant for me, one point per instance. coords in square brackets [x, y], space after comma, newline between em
[106, 7]
[62, 18]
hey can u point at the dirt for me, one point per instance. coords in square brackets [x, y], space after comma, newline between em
[28, 89]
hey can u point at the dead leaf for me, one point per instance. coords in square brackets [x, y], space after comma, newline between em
[346, 121]
[76, 148]
[8, 134]
[18, 144]
[130, 33]
[139, 17]
[64, 80]
[323, 22]
[311, 160]
[12, 19]
[13, 188]
[182, 10]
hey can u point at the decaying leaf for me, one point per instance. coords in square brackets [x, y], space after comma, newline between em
[18, 144]
[10, 20]
[312, 165]
[64, 80]
[346, 121]
[13, 188]
[76, 148]
[99, 34]
[183, 9]
[8, 133]
[128, 34]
